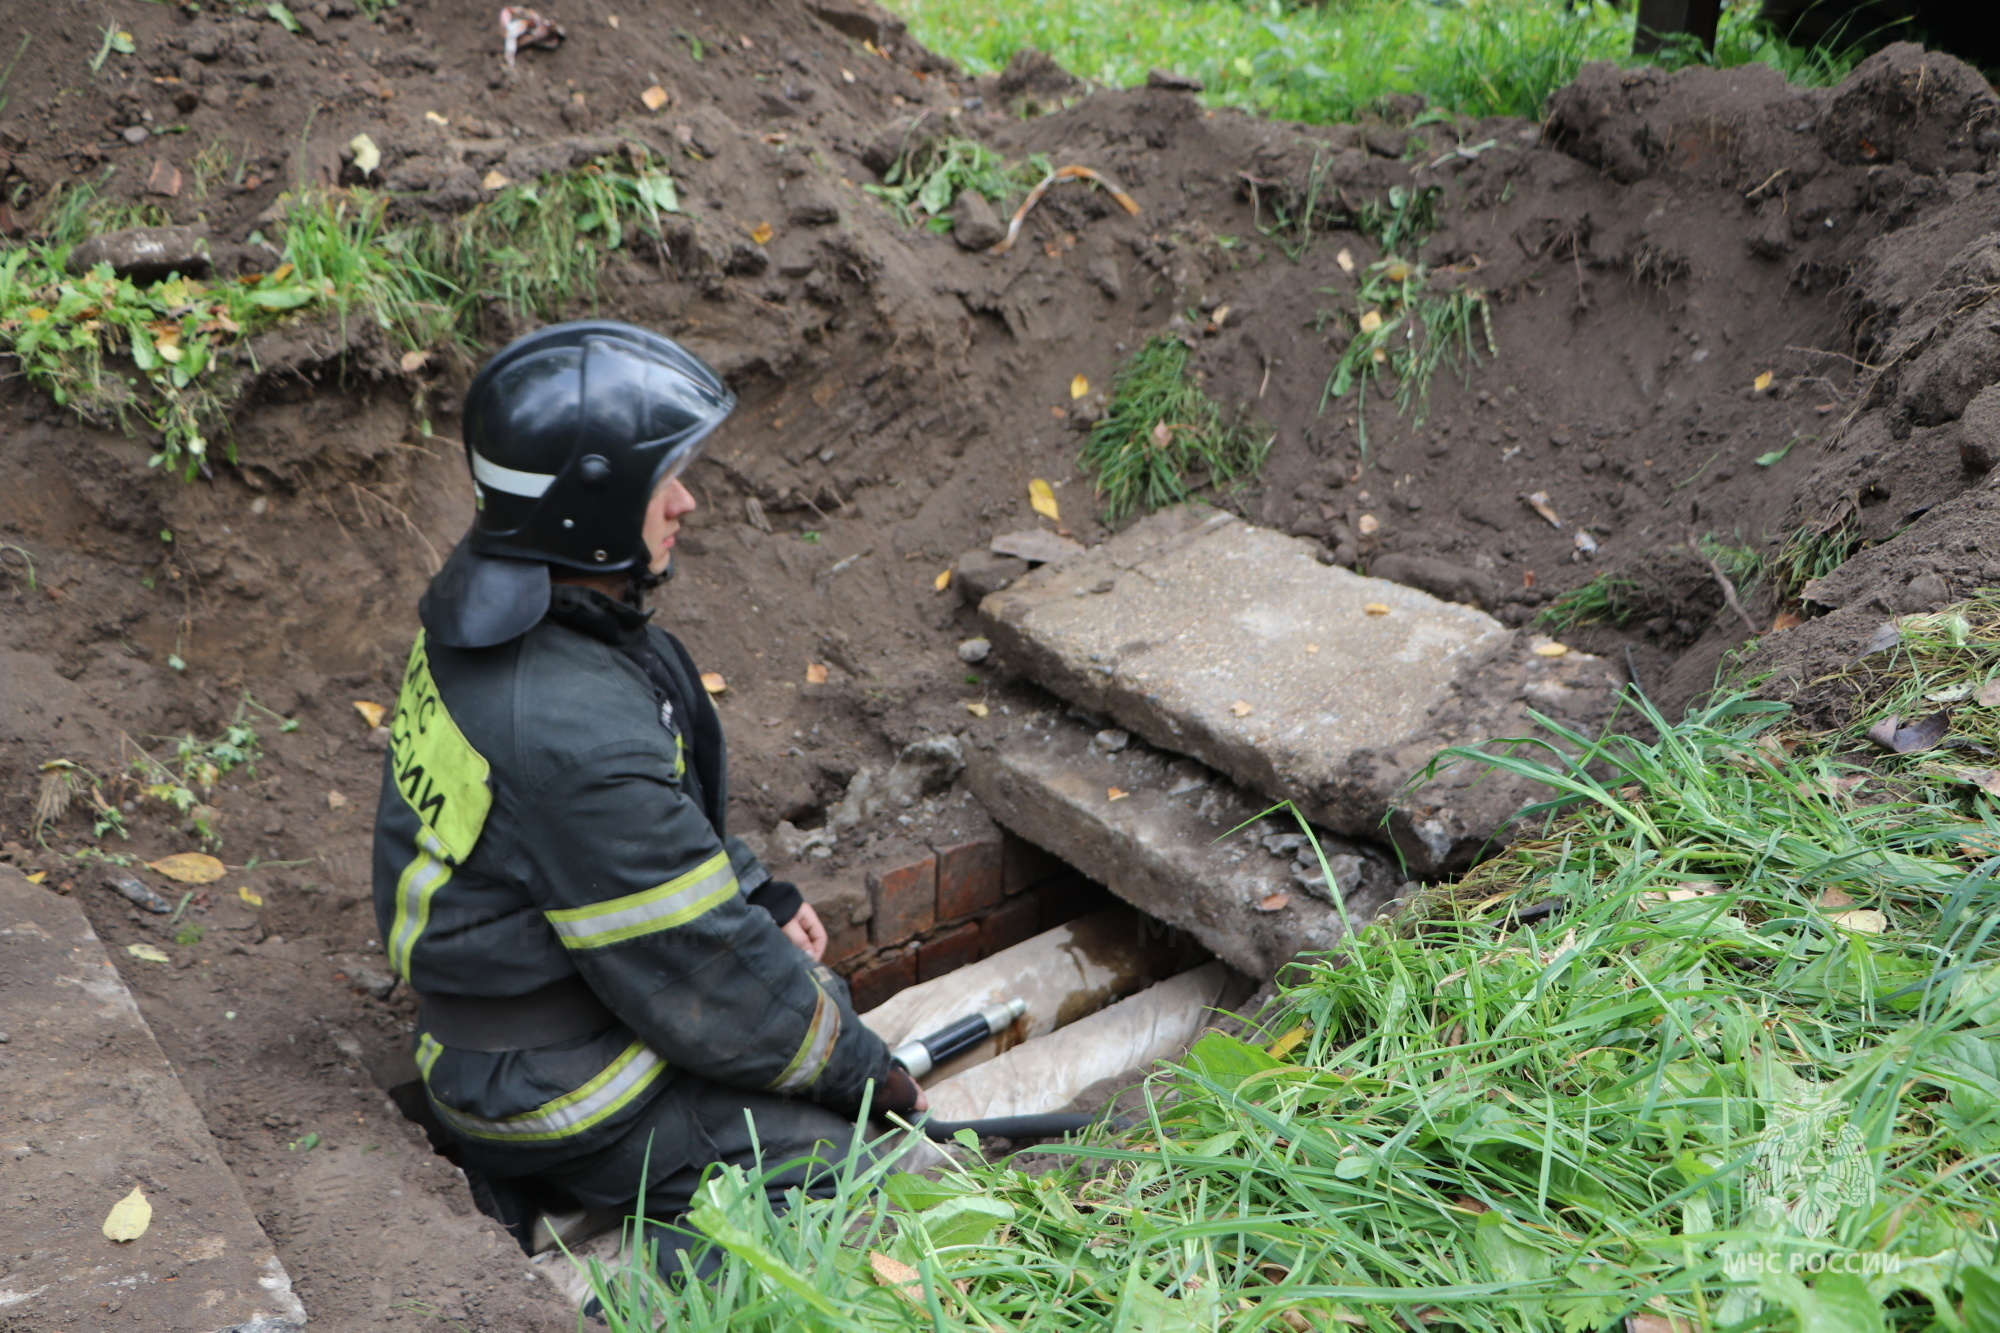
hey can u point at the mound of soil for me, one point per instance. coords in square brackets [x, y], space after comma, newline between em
[1649, 253]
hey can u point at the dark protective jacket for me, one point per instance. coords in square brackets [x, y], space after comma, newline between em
[555, 806]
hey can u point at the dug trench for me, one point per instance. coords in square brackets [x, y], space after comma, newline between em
[1719, 308]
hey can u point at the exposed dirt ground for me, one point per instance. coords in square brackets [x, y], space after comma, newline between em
[1649, 252]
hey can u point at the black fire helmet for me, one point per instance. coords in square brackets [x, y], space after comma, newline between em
[568, 430]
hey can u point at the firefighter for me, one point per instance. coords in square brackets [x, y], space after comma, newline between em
[612, 986]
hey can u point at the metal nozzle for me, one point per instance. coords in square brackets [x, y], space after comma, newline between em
[920, 1055]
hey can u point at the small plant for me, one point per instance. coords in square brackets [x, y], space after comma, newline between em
[189, 935]
[62, 781]
[928, 175]
[1813, 552]
[9, 553]
[1161, 437]
[1404, 330]
[1605, 600]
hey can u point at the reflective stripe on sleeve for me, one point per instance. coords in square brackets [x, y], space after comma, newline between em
[815, 1050]
[635, 1070]
[675, 903]
[415, 887]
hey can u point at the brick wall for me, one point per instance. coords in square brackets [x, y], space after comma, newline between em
[923, 911]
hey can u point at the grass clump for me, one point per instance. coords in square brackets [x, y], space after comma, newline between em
[1161, 437]
[1403, 329]
[1813, 552]
[168, 357]
[1607, 599]
[928, 175]
[1332, 62]
[1739, 1069]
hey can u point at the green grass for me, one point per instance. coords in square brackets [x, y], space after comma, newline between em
[929, 174]
[1161, 438]
[1605, 600]
[1813, 552]
[1406, 331]
[1331, 61]
[166, 357]
[1746, 1076]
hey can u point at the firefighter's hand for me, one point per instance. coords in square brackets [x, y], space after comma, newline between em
[903, 1094]
[805, 930]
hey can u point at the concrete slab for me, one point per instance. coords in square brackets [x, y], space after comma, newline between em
[89, 1108]
[1301, 681]
[1155, 829]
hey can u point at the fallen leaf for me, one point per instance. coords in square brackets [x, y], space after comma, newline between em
[1471, 1205]
[1700, 889]
[815, 673]
[1219, 319]
[1762, 382]
[254, 899]
[654, 97]
[611, 19]
[1042, 498]
[1242, 708]
[1834, 898]
[942, 581]
[1275, 903]
[895, 1273]
[371, 713]
[976, 708]
[1346, 261]
[1892, 735]
[1951, 694]
[1550, 649]
[334, 800]
[1786, 620]
[1657, 1323]
[1862, 921]
[762, 233]
[367, 156]
[151, 953]
[1376, 608]
[1539, 502]
[713, 682]
[1371, 321]
[435, 119]
[414, 361]
[189, 868]
[1115, 793]
[493, 180]
[1986, 779]
[129, 1217]
[847, 76]
[1078, 387]
[1368, 525]
[1163, 435]
[1988, 695]
[38, 877]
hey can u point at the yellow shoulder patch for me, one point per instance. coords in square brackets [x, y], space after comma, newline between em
[443, 779]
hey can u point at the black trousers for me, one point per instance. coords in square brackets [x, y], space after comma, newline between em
[688, 1129]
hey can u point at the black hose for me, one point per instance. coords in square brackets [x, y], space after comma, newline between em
[1011, 1126]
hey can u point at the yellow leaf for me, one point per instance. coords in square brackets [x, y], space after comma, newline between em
[815, 673]
[414, 361]
[1288, 1043]
[713, 682]
[1115, 793]
[150, 953]
[654, 97]
[1346, 261]
[367, 156]
[1862, 921]
[762, 233]
[189, 868]
[282, 272]
[1762, 382]
[334, 800]
[1043, 498]
[895, 1273]
[976, 708]
[1242, 708]
[1078, 387]
[169, 352]
[435, 119]
[1397, 271]
[942, 581]
[1551, 649]
[494, 180]
[847, 76]
[1368, 525]
[1371, 321]
[1376, 608]
[129, 1217]
[38, 877]
[254, 899]
[371, 713]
